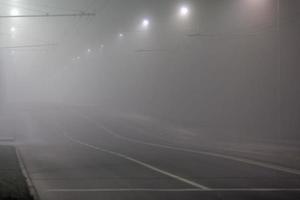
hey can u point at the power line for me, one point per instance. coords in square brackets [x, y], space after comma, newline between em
[28, 46]
[36, 6]
[81, 14]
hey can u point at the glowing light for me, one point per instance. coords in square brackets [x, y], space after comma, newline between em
[255, 4]
[145, 23]
[12, 29]
[121, 35]
[14, 12]
[89, 50]
[184, 11]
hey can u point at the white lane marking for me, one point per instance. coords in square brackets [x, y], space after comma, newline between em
[177, 190]
[243, 160]
[125, 190]
[184, 180]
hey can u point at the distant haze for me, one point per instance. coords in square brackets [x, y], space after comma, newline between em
[230, 67]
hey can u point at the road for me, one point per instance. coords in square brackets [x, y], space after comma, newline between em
[82, 155]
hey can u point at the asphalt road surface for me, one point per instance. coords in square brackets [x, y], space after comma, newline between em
[77, 155]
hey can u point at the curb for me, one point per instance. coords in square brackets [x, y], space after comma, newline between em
[31, 187]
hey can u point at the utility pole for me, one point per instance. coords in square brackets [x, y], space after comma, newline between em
[1, 85]
[278, 30]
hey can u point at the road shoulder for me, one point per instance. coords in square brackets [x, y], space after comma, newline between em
[13, 184]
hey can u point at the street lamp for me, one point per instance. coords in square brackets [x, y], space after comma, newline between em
[14, 12]
[13, 29]
[145, 23]
[184, 11]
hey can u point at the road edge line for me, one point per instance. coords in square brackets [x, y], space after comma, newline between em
[63, 190]
[32, 189]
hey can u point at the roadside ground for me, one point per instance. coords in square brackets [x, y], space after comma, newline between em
[13, 185]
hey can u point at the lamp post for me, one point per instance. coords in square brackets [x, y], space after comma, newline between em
[278, 30]
[1, 86]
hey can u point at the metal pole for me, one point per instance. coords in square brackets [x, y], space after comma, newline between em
[278, 27]
[1, 86]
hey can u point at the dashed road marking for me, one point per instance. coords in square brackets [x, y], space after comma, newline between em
[206, 153]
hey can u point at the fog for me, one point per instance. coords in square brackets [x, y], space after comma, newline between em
[228, 68]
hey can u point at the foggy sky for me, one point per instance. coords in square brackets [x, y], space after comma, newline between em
[219, 70]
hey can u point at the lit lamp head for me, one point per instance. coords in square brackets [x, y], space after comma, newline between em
[14, 12]
[145, 23]
[13, 29]
[184, 11]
